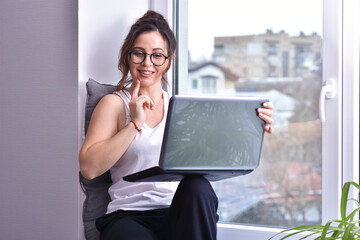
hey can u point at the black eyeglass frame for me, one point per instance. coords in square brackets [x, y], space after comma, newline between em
[150, 54]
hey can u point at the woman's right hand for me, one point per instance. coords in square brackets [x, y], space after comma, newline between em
[138, 105]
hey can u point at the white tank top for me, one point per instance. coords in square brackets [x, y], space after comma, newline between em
[143, 152]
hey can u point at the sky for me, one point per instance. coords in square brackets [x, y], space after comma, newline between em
[210, 18]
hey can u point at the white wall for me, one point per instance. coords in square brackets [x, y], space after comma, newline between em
[103, 26]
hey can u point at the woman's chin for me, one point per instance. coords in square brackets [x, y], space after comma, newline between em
[146, 82]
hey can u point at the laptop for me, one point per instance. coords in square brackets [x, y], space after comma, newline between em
[216, 137]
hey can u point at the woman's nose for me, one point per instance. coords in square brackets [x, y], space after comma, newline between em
[147, 61]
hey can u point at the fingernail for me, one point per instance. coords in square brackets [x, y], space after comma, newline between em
[264, 104]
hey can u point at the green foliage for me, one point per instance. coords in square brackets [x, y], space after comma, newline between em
[346, 229]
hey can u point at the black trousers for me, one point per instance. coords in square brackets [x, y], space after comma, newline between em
[191, 216]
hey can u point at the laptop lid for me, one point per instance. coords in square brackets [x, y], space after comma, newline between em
[212, 133]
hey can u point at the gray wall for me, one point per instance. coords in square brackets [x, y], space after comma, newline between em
[39, 193]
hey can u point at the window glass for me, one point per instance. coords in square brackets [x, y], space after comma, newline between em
[271, 49]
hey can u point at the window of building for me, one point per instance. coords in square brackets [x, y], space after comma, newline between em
[208, 84]
[254, 48]
[194, 84]
[285, 63]
[272, 49]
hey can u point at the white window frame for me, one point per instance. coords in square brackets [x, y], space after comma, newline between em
[351, 89]
[340, 141]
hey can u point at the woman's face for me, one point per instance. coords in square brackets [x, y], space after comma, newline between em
[147, 72]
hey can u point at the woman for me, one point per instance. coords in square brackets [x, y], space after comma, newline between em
[125, 135]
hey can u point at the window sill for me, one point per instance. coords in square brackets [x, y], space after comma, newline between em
[232, 232]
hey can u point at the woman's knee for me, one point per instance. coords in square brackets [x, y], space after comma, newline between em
[197, 186]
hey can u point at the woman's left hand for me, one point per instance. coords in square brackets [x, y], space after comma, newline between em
[265, 113]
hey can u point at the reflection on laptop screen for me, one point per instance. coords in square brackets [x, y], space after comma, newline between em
[206, 133]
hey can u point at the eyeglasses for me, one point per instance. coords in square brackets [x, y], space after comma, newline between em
[138, 57]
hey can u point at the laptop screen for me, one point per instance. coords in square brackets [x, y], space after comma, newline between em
[212, 133]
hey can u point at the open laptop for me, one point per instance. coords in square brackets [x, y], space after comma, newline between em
[217, 137]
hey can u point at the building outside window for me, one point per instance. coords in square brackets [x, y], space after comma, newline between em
[306, 55]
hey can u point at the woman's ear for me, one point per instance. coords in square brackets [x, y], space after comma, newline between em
[171, 58]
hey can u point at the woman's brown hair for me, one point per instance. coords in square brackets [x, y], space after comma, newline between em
[150, 22]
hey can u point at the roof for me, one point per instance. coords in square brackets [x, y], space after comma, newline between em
[194, 66]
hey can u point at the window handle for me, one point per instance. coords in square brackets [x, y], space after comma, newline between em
[327, 91]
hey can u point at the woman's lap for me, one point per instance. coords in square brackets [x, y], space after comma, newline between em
[132, 224]
[127, 229]
[192, 216]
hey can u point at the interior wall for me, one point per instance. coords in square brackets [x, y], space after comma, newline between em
[103, 26]
[39, 193]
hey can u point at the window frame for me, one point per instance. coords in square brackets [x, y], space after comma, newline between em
[351, 89]
[340, 141]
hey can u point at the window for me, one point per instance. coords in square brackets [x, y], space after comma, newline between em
[208, 85]
[285, 63]
[300, 177]
[195, 84]
[272, 48]
[254, 48]
[286, 189]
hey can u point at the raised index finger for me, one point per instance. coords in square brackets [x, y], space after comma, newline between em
[135, 93]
